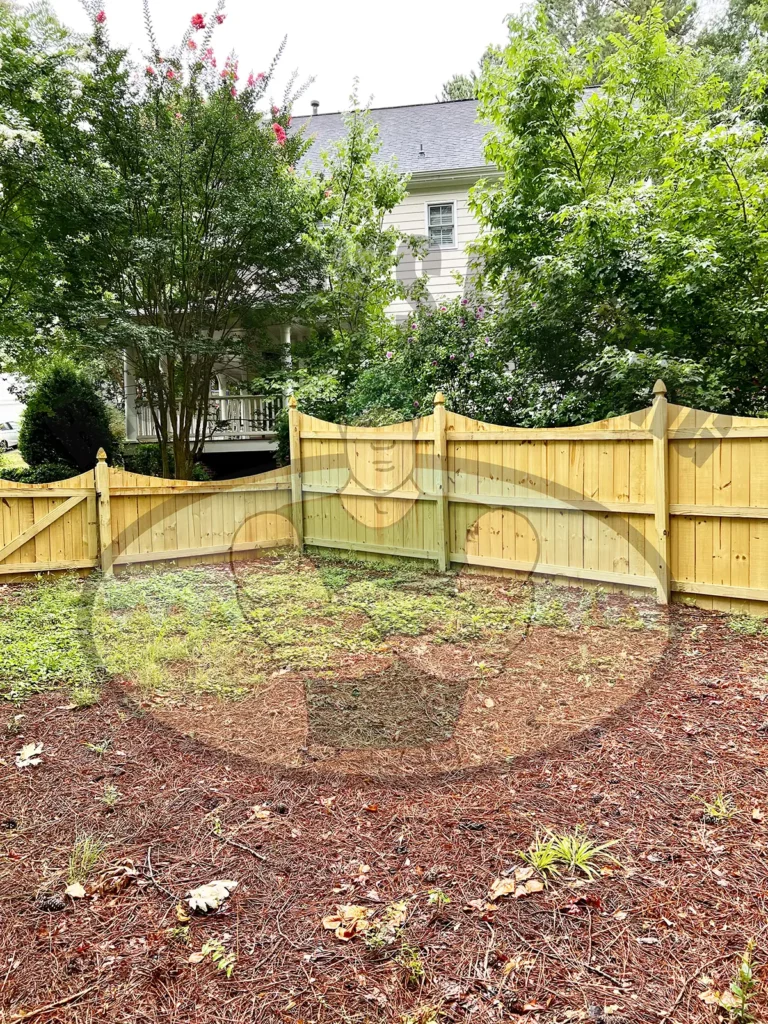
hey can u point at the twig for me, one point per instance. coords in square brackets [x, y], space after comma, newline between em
[240, 846]
[29, 1014]
[154, 881]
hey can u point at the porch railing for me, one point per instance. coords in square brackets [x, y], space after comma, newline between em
[230, 417]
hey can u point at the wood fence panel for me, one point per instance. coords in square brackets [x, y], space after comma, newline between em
[666, 498]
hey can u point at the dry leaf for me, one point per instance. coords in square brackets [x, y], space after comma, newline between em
[489, 702]
[116, 878]
[210, 896]
[620, 915]
[757, 814]
[183, 915]
[348, 921]
[518, 884]
[75, 890]
[29, 755]
[257, 811]
[196, 958]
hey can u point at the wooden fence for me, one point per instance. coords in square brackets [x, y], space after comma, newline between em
[667, 499]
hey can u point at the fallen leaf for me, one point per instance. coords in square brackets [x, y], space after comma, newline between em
[534, 885]
[757, 814]
[196, 958]
[371, 808]
[29, 755]
[502, 887]
[620, 915]
[257, 811]
[519, 884]
[348, 920]
[75, 890]
[183, 914]
[210, 896]
[489, 702]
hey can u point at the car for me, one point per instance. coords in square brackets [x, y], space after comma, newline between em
[9, 435]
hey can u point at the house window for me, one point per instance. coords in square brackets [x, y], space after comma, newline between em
[441, 225]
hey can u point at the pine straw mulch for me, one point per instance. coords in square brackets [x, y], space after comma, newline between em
[632, 945]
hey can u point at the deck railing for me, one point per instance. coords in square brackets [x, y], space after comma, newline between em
[230, 417]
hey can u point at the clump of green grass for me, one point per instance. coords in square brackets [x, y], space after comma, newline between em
[100, 748]
[85, 854]
[747, 625]
[553, 853]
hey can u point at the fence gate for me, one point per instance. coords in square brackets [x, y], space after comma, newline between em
[45, 527]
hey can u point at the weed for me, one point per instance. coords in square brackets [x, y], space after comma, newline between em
[409, 958]
[100, 748]
[719, 810]
[13, 725]
[438, 898]
[423, 1015]
[179, 933]
[746, 625]
[111, 796]
[742, 988]
[84, 696]
[220, 956]
[570, 851]
[83, 857]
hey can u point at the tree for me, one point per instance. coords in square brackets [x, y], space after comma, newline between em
[573, 21]
[627, 221]
[358, 251]
[40, 138]
[65, 421]
[192, 238]
[464, 87]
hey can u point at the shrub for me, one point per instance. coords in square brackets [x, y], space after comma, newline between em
[46, 473]
[147, 460]
[66, 421]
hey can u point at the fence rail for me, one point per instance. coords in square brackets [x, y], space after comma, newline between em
[668, 499]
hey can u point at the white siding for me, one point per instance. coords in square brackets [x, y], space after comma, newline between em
[441, 266]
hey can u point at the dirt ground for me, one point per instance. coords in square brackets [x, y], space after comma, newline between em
[403, 779]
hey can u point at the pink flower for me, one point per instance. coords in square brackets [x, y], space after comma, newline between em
[178, 116]
[101, 17]
[220, 19]
[260, 77]
[198, 22]
[208, 54]
[192, 44]
[390, 354]
[170, 73]
[279, 134]
[328, 193]
[233, 91]
[224, 73]
[251, 81]
[275, 111]
[150, 70]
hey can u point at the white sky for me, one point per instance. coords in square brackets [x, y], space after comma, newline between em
[401, 50]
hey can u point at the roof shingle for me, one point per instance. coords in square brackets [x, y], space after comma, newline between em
[422, 137]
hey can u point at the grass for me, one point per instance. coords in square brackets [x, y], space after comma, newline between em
[570, 851]
[217, 632]
[83, 858]
[719, 810]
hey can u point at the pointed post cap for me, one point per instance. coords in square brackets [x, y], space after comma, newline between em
[659, 388]
[101, 455]
[439, 398]
[292, 402]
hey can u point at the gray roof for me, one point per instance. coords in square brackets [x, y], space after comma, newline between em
[422, 137]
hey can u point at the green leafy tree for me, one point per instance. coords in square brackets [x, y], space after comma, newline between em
[192, 239]
[40, 138]
[358, 251]
[464, 87]
[628, 219]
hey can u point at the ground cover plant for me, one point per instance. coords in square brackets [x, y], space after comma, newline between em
[309, 789]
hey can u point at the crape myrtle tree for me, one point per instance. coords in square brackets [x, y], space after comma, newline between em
[193, 239]
[628, 221]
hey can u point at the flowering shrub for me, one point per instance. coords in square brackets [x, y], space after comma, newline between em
[453, 349]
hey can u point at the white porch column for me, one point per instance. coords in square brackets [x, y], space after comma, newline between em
[287, 356]
[129, 389]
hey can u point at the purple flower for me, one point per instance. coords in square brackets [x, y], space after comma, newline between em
[462, 322]
[443, 309]
[451, 357]
[465, 302]
[390, 354]
[416, 404]
[414, 327]
[434, 362]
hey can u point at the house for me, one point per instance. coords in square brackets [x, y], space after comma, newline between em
[440, 146]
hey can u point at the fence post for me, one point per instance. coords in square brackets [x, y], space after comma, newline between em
[441, 475]
[101, 480]
[297, 506]
[660, 472]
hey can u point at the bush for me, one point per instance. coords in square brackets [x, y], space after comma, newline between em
[146, 460]
[66, 421]
[46, 473]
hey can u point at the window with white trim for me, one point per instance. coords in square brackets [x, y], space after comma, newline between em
[441, 225]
